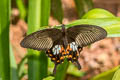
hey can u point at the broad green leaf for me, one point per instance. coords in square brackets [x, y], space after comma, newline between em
[108, 75]
[98, 13]
[4, 39]
[56, 10]
[116, 75]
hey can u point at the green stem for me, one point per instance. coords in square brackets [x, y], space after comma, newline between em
[4, 39]
[21, 66]
[38, 15]
[61, 70]
[21, 8]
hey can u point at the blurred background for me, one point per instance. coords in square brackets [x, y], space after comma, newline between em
[99, 57]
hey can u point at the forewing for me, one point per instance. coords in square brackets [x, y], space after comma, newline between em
[86, 34]
[41, 40]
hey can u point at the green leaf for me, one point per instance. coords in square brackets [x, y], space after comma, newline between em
[106, 75]
[116, 75]
[38, 15]
[98, 13]
[4, 39]
[56, 10]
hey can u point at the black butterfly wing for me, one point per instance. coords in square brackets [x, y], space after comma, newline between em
[86, 34]
[41, 40]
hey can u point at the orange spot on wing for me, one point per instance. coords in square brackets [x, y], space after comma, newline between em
[64, 53]
[62, 48]
[74, 58]
[60, 51]
[53, 59]
[48, 51]
[67, 52]
[70, 56]
[77, 54]
[61, 57]
[58, 61]
[70, 49]
[50, 55]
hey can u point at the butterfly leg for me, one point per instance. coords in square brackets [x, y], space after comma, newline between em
[54, 70]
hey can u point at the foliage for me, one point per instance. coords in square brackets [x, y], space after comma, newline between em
[106, 75]
[116, 75]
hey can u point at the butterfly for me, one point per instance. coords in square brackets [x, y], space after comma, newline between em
[60, 44]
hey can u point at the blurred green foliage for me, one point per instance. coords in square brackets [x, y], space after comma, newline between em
[108, 75]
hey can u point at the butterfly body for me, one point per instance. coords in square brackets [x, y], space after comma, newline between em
[64, 43]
